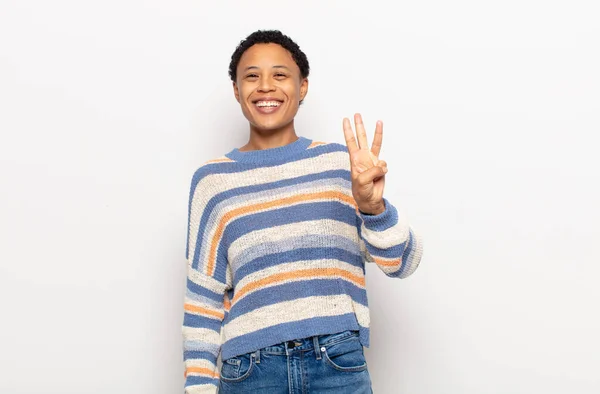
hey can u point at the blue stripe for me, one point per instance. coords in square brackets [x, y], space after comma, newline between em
[198, 175]
[319, 253]
[273, 161]
[293, 291]
[199, 354]
[199, 345]
[195, 321]
[203, 291]
[407, 251]
[392, 252]
[194, 380]
[331, 210]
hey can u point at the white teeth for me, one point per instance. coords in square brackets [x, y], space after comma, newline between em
[268, 103]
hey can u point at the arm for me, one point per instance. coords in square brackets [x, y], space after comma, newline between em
[388, 241]
[205, 302]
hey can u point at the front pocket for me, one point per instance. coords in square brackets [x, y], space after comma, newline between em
[346, 355]
[236, 369]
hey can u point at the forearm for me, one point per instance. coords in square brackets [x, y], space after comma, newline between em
[203, 316]
[390, 242]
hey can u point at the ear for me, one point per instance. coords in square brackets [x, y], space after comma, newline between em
[235, 92]
[303, 88]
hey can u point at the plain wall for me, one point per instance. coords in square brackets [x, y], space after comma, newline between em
[491, 123]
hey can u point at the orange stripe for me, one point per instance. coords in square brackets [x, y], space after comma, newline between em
[326, 195]
[387, 263]
[219, 160]
[204, 311]
[309, 273]
[226, 302]
[201, 370]
[316, 143]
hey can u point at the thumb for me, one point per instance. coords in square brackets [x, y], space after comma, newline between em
[372, 173]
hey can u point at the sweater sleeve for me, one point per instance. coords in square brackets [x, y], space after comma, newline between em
[205, 302]
[388, 241]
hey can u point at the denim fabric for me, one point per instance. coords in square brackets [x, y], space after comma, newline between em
[336, 365]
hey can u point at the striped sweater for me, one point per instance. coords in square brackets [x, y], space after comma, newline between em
[276, 251]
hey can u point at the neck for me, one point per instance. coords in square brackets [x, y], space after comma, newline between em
[265, 139]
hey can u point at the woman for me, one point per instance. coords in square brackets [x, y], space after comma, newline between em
[278, 234]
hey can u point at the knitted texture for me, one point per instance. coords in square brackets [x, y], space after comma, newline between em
[276, 251]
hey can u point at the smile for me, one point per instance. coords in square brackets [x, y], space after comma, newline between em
[268, 103]
[267, 107]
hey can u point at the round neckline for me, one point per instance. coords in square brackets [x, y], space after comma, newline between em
[277, 153]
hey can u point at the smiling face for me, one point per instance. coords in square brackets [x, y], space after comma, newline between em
[269, 87]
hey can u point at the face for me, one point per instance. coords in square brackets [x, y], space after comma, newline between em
[269, 87]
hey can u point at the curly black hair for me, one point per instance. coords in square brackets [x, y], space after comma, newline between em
[267, 37]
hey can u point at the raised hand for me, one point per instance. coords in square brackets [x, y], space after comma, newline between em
[366, 170]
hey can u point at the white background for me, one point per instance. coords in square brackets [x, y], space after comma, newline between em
[491, 116]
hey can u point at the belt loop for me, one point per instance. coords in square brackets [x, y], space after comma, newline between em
[317, 347]
[258, 356]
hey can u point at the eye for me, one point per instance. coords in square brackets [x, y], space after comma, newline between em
[280, 75]
[251, 76]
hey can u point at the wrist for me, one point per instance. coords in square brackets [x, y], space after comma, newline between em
[373, 211]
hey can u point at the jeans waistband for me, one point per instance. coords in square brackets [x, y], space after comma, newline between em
[305, 344]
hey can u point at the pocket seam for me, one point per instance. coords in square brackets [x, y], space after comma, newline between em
[244, 376]
[344, 369]
[340, 340]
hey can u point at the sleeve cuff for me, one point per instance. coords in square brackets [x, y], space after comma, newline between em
[382, 221]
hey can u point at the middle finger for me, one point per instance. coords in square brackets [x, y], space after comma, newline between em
[360, 132]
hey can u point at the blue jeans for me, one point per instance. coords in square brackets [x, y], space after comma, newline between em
[333, 363]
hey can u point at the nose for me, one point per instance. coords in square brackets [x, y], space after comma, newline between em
[265, 85]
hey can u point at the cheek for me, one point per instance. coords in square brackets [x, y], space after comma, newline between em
[244, 90]
[243, 94]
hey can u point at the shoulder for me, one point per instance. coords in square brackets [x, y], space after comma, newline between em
[329, 148]
[327, 145]
[208, 168]
[330, 155]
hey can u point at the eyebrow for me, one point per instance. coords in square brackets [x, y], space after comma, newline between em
[256, 67]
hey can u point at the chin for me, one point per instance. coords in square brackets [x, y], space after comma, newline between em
[268, 124]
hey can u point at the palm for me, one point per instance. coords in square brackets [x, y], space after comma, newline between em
[367, 190]
[362, 160]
